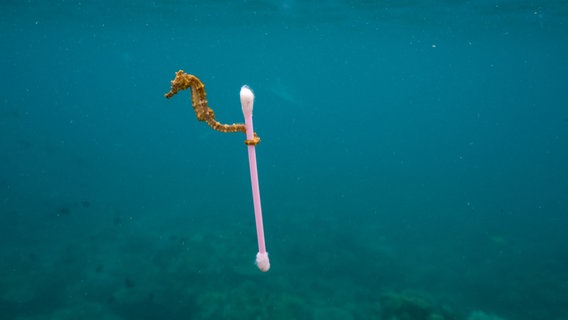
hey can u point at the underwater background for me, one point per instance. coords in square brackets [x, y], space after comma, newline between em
[413, 162]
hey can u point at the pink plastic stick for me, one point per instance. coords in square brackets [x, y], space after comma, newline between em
[247, 101]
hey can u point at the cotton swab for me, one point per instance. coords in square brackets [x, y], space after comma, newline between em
[247, 101]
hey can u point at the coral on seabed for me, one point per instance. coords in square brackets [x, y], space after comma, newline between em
[411, 306]
[480, 315]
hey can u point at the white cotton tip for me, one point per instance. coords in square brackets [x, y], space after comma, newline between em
[262, 261]
[247, 100]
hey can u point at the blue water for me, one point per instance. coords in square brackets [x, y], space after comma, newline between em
[413, 162]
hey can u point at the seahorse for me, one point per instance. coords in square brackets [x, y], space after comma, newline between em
[183, 81]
